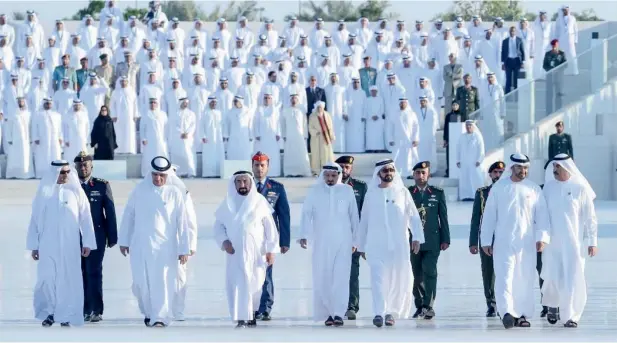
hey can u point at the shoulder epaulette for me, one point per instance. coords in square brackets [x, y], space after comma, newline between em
[98, 179]
[360, 182]
[482, 188]
[437, 188]
[275, 182]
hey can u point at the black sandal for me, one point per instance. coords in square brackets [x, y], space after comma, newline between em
[553, 315]
[523, 323]
[570, 324]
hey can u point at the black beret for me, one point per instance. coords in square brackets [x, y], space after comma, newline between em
[82, 157]
[496, 165]
[422, 165]
[345, 159]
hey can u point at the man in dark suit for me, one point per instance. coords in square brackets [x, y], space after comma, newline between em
[512, 58]
[313, 95]
[274, 192]
[103, 213]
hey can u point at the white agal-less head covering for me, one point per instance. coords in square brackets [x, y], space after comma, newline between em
[239, 209]
[566, 162]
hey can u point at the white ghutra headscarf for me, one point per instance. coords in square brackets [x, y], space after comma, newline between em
[566, 162]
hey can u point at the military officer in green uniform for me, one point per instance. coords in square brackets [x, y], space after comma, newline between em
[486, 262]
[560, 142]
[368, 75]
[468, 97]
[359, 189]
[431, 204]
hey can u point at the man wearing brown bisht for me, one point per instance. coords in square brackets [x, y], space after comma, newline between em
[322, 137]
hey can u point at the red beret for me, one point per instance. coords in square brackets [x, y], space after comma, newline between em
[260, 157]
[554, 41]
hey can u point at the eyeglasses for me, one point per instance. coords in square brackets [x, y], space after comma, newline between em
[65, 172]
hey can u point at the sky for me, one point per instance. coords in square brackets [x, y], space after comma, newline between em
[422, 9]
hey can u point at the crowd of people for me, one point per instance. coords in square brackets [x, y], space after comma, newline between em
[517, 227]
[122, 88]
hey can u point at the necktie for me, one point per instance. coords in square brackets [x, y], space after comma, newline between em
[259, 187]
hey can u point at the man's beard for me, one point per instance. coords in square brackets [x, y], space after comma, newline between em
[495, 179]
[331, 183]
[243, 191]
[346, 176]
[521, 176]
[386, 178]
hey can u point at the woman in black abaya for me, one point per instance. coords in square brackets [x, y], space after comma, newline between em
[103, 136]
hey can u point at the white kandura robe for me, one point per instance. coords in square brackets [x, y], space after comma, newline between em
[354, 126]
[123, 105]
[19, 155]
[76, 130]
[253, 234]
[47, 129]
[565, 30]
[469, 150]
[181, 151]
[153, 132]
[294, 129]
[213, 151]
[60, 223]
[384, 236]
[267, 127]
[375, 128]
[329, 223]
[493, 114]
[428, 121]
[574, 227]
[403, 131]
[155, 228]
[239, 131]
[516, 216]
[335, 95]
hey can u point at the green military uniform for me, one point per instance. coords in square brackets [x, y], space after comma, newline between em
[359, 190]
[468, 100]
[560, 144]
[431, 204]
[486, 261]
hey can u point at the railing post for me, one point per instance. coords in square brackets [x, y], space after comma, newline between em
[599, 61]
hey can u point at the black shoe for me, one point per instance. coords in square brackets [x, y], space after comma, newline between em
[259, 316]
[338, 321]
[87, 318]
[490, 313]
[95, 318]
[378, 321]
[389, 320]
[159, 325]
[417, 313]
[241, 324]
[147, 321]
[508, 321]
[329, 321]
[428, 313]
[570, 324]
[266, 316]
[65, 325]
[544, 311]
[251, 323]
[350, 314]
[49, 321]
[553, 315]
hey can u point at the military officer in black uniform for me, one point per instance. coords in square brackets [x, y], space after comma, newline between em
[431, 204]
[560, 142]
[103, 213]
[486, 262]
[468, 97]
[359, 190]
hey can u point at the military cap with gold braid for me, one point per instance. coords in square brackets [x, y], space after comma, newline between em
[82, 157]
[345, 159]
[422, 165]
[496, 165]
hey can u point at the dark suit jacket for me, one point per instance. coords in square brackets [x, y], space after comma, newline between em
[311, 99]
[505, 50]
[274, 192]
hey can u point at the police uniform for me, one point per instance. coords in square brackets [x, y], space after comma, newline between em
[486, 261]
[359, 190]
[559, 144]
[274, 192]
[103, 213]
[431, 205]
[468, 99]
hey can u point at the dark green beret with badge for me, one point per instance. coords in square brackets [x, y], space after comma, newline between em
[422, 165]
[82, 157]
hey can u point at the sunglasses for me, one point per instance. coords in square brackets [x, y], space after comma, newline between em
[64, 172]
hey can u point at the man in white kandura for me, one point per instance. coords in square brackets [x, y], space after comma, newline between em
[469, 156]
[329, 222]
[181, 139]
[211, 135]
[389, 217]
[574, 225]
[191, 219]
[428, 121]
[294, 128]
[59, 234]
[17, 134]
[403, 133]
[155, 231]
[47, 137]
[516, 218]
[245, 230]
[565, 30]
